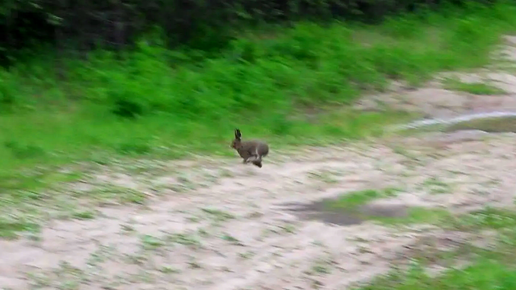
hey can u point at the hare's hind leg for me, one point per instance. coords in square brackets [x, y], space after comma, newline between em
[252, 158]
[255, 158]
[258, 161]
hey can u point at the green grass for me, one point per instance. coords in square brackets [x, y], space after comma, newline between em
[475, 88]
[490, 218]
[350, 204]
[483, 274]
[10, 229]
[490, 268]
[357, 198]
[84, 215]
[417, 215]
[122, 195]
[493, 267]
[437, 186]
[291, 88]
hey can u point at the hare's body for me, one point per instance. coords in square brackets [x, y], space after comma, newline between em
[251, 151]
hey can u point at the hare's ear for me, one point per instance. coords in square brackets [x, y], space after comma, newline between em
[238, 135]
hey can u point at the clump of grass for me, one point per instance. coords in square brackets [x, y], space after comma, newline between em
[357, 198]
[218, 215]
[483, 274]
[117, 194]
[28, 183]
[419, 215]
[320, 268]
[10, 229]
[232, 240]
[490, 218]
[84, 215]
[150, 242]
[475, 88]
[351, 204]
[185, 239]
[437, 186]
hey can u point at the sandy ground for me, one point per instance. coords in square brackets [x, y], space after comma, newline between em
[234, 232]
[220, 224]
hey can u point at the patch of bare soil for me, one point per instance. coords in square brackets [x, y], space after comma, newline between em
[229, 230]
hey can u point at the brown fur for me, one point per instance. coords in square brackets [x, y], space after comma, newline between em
[251, 151]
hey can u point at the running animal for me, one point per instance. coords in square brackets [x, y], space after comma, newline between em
[251, 151]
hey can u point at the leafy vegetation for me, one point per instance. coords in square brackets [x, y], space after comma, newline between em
[289, 85]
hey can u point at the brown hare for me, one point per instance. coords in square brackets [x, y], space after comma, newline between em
[251, 151]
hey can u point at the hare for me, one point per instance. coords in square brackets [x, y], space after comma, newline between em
[251, 151]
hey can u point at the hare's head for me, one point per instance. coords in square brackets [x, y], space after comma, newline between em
[237, 142]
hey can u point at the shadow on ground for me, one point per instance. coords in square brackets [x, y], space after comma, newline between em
[324, 211]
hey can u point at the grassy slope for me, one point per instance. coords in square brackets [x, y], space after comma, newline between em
[262, 84]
